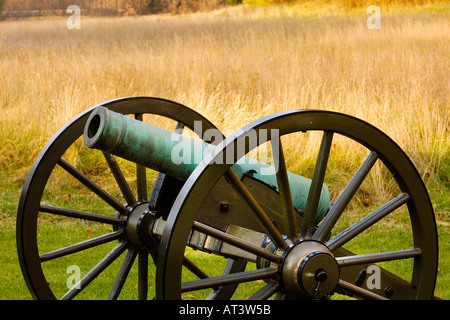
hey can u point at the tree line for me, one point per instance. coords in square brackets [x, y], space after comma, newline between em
[133, 7]
[110, 7]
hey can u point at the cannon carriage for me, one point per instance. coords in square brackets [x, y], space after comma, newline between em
[274, 231]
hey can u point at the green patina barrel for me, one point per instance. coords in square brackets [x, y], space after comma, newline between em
[177, 155]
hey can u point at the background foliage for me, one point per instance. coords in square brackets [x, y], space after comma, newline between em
[133, 7]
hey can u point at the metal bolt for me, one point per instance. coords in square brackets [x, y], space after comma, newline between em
[320, 275]
[388, 291]
[361, 277]
[224, 207]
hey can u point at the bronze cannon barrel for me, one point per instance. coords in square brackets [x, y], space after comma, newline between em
[176, 155]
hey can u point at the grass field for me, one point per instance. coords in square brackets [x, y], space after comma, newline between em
[233, 66]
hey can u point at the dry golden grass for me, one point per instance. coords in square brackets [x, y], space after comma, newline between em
[234, 66]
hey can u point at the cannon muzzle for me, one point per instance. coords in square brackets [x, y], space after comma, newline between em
[176, 155]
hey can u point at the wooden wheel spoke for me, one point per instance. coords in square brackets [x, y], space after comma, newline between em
[192, 267]
[141, 173]
[92, 186]
[81, 215]
[266, 292]
[358, 291]
[95, 271]
[179, 128]
[235, 241]
[338, 208]
[196, 270]
[123, 274]
[309, 217]
[81, 246]
[366, 222]
[284, 189]
[141, 183]
[143, 275]
[120, 179]
[347, 261]
[238, 277]
[262, 217]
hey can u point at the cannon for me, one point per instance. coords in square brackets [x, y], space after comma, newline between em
[160, 150]
[267, 232]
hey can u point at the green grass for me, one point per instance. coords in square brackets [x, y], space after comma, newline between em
[55, 232]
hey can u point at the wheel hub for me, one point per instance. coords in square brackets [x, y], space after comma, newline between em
[308, 269]
[138, 227]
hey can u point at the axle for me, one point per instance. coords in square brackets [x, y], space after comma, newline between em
[177, 156]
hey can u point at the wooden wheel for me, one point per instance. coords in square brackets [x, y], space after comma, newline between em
[106, 226]
[302, 258]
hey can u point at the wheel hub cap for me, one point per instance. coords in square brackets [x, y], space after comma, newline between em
[308, 269]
